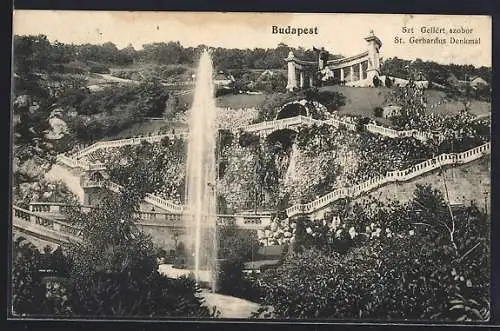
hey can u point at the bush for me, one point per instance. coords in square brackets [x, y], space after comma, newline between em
[378, 111]
[376, 81]
[421, 265]
[249, 140]
[331, 100]
[225, 91]
[99, 69]
[388, 82]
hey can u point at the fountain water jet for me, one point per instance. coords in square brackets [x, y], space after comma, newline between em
[200, 216]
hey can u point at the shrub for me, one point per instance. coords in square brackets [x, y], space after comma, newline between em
[388, 82]
[99, 69]
[331, 100]
[225, 91]
[249, 140]
[378, 111]
[376, 81]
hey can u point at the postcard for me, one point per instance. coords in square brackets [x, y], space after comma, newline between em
[257, 166]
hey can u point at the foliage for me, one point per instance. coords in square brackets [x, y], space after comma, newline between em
[248, 139]
[41, 190]
[332, 100]
[111, 110]
[378, 111]
[388, 82]
[237, 244]
[29, 293]
[37, 51]
[400, 263]
[162, 171]
[99, 68]
[271, 83]
[114, 269]
[27, 290]
[411, 100]
[433, 71]
[271, 105]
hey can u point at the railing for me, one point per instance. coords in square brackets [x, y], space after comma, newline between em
[391, 176]
[47, 207]
[275, 124]
[73, 162]
[145, 218]
[124, 142]
[297, 120]
[51, 228]
[150, 198]
[337, 123]
[388, 132]
[162, 203]
[281, 124]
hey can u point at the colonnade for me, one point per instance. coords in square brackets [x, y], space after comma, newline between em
[357, 70]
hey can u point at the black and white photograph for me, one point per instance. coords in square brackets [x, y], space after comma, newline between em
[250, 165]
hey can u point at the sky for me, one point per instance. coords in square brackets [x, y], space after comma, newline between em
[338, 33]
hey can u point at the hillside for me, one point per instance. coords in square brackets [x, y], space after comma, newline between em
[361, 101]
[465, 183]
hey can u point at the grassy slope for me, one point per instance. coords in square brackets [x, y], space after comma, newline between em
[361, 101]
[465, 183]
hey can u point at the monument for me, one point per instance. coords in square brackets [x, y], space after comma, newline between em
[358, 70]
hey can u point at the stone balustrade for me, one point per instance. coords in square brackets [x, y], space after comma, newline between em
[47, 207]
[44, 226]
[391, 176]
[263, 126]
[125, 142]
[46, 211]
[74, 161]
[275, 124]
[388, 132]
[162, 203]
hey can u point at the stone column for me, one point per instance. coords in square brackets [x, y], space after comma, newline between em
[301, 79]
[351, 73]
[292, 75]
[311, 81]
[361, 71]
[373, 44]
[342, 74]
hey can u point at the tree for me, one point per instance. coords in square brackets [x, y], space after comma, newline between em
[400, 264]
[236, 246]
[114, 269]
[378, 111]
[32, 294]
[32, 54]
[27, 289]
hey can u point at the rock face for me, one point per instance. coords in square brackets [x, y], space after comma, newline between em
[59, 128]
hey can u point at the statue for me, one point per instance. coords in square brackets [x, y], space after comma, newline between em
[322, 57]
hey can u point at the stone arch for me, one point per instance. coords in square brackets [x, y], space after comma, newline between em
[96, 176]
[292, 109]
